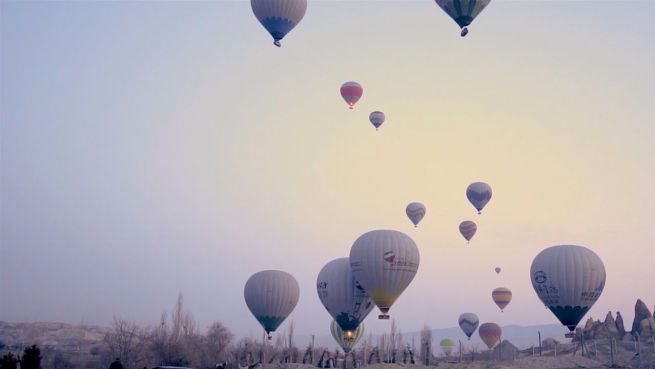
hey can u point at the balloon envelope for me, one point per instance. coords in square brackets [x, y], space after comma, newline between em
[344, 299]
[376, 118]
[279, 17]
[271, 295]
[346, 339]
[468, 322]
[467, 229]
[501, 296]
[568, 279]
[351, 92]
[447, 346]
[384, 262]
[479, 194]
[463, 11]
[490, 334]
[415, 212]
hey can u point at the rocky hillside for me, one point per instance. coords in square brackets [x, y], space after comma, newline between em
[643, 326]
[60, 336]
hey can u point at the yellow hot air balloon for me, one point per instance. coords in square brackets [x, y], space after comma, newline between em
[490, 334]
[501, 296]
[384, 262]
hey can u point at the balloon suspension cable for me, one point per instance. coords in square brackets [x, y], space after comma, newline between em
[277, 43]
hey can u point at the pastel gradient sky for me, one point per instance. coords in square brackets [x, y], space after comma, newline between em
[150, 148]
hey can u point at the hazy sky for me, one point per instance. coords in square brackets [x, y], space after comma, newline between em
[150, 148]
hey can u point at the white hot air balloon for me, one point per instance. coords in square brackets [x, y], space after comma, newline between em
[568, 279]
[279, 17]
[346, 339]
[343, 298]
[415, 212]
[468, 322]
[271, 295]
[384, 262]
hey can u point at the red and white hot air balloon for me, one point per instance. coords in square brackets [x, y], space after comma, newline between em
[351, 92]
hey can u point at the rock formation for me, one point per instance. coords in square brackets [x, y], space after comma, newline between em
[619, 325]
[610, 325]
[641, 313]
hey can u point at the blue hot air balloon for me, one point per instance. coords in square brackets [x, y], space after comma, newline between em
[479, 194]
[279, 17]
[463, 12]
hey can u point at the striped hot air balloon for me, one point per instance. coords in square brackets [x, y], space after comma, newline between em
[463, 11]
[467, 228]
[468, 322]
[501, 296]
[376, 118]
[415, 212]
[346, 339]
[384, 262]
[279, 17]
[490, 334]
[479, 194]
[568, 279]
[271, 295]
[351, 92]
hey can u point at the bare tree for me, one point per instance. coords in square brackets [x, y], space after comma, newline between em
[217, 340]
[126, 341]
[426, 344]
[292, 328]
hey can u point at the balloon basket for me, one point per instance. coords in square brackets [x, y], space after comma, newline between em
[383, 316]
[570, 335]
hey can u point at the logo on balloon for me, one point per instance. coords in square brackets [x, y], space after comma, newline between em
[389, 256]
[540, 277]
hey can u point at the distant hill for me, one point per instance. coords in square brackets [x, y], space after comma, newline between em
[51, 335]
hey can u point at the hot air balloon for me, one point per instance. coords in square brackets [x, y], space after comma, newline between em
[351, 92]
[568, 279]
[490, 334]
[479, 194]
[271, 296]
[501, 296]
[469, 323]
[497, 270]
[376, 118]
[463, 11]
[279, 17]
[415, 212]
[447, 346]
[467, 229]
[384, 262]
[343, 298]
[346, 339]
